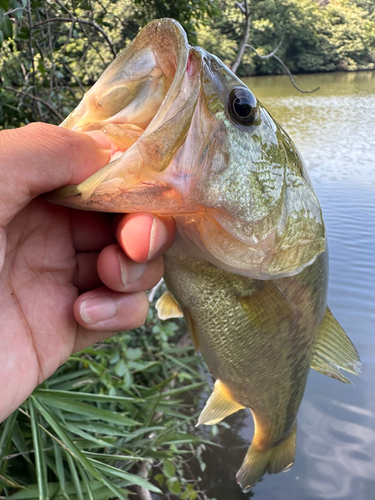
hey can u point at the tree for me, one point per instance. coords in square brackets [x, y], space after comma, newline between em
[318, 36]
[191, 14]
[51, 51]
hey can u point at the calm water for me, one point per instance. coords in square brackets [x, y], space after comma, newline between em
[334, 128]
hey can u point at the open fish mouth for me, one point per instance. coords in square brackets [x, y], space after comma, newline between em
[190, 140]
[143, 103]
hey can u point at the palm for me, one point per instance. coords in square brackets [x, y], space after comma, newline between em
[52, 301]
[37, 290]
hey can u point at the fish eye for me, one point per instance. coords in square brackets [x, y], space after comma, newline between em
[242, 106]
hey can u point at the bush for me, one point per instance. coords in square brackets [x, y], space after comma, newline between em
[109, 421]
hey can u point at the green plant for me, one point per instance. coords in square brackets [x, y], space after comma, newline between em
[107, 422]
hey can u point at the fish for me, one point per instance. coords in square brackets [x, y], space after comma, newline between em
[249, 266]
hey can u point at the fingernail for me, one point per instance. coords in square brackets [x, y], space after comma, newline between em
[103, 140]
[130, 271]
[158, 237]
[98, 309]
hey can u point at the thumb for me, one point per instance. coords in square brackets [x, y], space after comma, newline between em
[38, 158]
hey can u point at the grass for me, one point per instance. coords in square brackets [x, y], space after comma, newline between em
[110, 423]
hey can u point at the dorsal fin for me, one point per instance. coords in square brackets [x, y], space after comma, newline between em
[168, 307]
[334, 350]
[219, 405]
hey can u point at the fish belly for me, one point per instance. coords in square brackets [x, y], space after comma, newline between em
[256, 337]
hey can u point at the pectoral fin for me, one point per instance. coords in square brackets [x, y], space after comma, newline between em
[334, 350]
[267, 307]
[219, 405]
[168, 307]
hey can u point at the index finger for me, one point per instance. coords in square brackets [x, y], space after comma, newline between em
[144, 236]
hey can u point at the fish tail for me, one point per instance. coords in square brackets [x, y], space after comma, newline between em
[271, 461]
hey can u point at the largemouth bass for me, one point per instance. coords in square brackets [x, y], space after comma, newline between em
[248, 269]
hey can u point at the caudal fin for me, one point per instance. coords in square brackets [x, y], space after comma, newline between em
[274, 460]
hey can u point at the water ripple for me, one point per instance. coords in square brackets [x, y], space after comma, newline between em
[336, 426]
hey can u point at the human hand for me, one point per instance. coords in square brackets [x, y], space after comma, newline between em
[65, 282]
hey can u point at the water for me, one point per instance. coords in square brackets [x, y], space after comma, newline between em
[334, 129]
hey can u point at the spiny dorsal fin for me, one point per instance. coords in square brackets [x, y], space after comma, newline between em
[168, 307]
[334, 350]
[219, 405]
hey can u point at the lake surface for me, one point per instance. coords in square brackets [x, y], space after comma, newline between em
[334, 128]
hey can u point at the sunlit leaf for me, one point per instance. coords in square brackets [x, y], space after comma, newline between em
[99, 490]
[63, 436]
[79, 432]
[120, 368]
[132, 478]
[84, 396]
[168, 469]
[60, 470]
[74, 475]
[160, 478]
[89, 411]
[174, 485]
[86, 482]
[133, 354]
[41, 470]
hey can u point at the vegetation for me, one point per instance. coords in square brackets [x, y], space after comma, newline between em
[324, 35]
[109, 422]
[51, 51]
[191, 14]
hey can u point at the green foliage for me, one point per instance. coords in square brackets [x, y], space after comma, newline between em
[108, 422]
[317, 36]
[51, 51]
[191, 14]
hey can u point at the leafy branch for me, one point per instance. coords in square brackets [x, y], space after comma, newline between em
[35, 98]
[80, 20]
[244, 8]
[273, 54]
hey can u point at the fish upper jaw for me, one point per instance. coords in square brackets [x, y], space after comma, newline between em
[144, 103]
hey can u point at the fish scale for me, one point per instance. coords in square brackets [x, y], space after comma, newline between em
[228, 340]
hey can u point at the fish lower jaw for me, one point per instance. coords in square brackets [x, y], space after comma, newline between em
[119, 196]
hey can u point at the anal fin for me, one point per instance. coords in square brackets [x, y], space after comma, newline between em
[168, 307]
[334, 350]
[219, 405]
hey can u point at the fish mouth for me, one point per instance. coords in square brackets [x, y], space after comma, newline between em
[143, 103]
